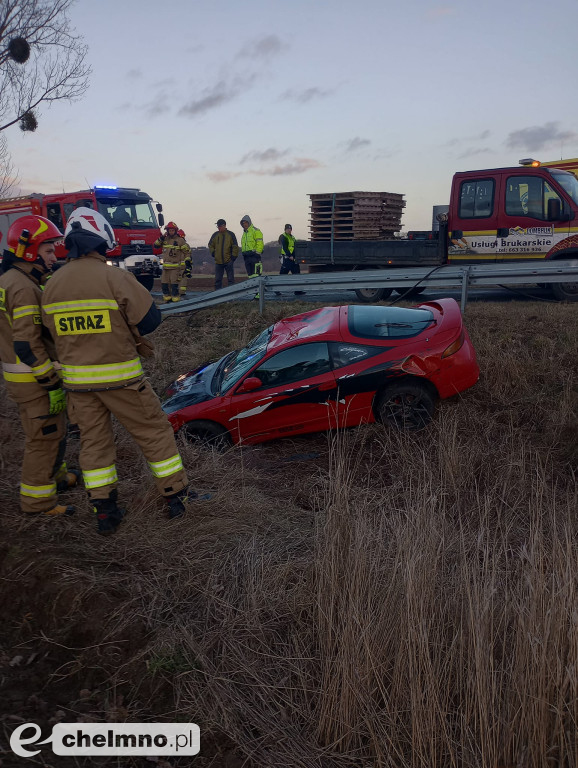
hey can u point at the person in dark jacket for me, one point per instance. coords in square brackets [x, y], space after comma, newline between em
[224, 250]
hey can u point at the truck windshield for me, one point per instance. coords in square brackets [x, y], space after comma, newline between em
[128, 214]
[568, 182]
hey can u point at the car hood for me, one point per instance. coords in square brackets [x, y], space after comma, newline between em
[190, 388]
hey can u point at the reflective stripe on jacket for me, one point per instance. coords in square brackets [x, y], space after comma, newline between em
[175, 250]
[22, 333]
[92, 312]
[252, 240]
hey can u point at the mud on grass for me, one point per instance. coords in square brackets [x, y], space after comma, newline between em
[355, 599]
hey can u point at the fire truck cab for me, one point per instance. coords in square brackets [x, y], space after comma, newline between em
[129, 211]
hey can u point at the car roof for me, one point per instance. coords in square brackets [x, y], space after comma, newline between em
[316, 324]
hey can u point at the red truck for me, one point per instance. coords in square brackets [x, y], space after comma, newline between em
[501, 214]
[129, 211]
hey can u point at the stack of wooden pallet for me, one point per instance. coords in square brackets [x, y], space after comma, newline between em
[355, 215]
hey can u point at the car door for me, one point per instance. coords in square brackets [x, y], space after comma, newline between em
[297, 395]
[524, 229]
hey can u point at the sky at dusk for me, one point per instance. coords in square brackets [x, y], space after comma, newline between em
[222, 108]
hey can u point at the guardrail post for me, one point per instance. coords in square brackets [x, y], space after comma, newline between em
[261, 295]
[465, 285]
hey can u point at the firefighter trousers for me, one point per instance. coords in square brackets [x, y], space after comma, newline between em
[138, 409]
[43, 463]
[171, 278]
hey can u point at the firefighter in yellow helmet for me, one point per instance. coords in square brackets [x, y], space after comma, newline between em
[175, 251]
[186, 265]
[27, 353]
[98, 317]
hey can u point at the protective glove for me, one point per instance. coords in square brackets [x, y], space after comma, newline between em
[57, 401]
[188, 269]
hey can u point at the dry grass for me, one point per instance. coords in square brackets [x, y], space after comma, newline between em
[397, 601]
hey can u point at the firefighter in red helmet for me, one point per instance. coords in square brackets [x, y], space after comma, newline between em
[175, 250]
[31, 380]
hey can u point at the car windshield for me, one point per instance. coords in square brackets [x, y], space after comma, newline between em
[128, 214]
[237, 366]
[568, 182]
[388, 322]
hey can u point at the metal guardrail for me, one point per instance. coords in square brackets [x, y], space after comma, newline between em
[446, 276]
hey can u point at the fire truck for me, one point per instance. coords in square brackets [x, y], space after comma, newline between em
[513, 214]
[129, 211]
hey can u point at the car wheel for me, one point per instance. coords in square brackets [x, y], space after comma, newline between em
[372, 295]
[147, 281]
[408, 405]
[207, 434]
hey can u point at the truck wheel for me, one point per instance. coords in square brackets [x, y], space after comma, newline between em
[565, 291]
[147, 281]
[407, 405]
[372, 295]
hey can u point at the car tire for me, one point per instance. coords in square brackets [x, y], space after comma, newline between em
[372, 295]
[565, 291]
[207, 434]
[147, 281]
[407, 405]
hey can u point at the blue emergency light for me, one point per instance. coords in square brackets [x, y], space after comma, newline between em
[98, 186]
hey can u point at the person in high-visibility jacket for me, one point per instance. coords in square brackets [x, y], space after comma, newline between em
[252, 247]
[289, 263]
[224, 250]
[175, 251]
[30, 376]
[186, 266]
[97, 317]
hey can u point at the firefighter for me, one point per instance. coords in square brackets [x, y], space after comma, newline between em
[30, 375]
[186, 265]
[175, 250]
[98, 317]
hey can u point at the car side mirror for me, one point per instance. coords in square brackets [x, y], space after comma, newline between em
[251, 383]
[161, 220]
[554, 209]
[159, 207]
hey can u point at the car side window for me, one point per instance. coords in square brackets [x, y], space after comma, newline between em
[476, 199]
[343, 354]
[528, 196]
[294, 364]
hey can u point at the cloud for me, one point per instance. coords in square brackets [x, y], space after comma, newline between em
[266, 156]
[134, 74]
[354, 144]
[482, 136]
[165, 82]
[263, 48]
[440, 11]
[299, 165]
[156, 107]
[309, 94]
[538, 137]
[214, 97]
[220, 176]
[473, 151]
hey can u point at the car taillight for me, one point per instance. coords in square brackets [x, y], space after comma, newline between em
[454, 346]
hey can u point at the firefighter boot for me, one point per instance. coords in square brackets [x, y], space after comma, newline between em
[175, 290]
[60, 510]
[69, 479]
[166, 292]
[108, 515]
[176, 502]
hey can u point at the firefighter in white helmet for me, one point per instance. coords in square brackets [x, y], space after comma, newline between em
[27, 356]
[98, 316]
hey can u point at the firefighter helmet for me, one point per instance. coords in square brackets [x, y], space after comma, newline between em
[87, 230]
[39, 230]
[171, 225]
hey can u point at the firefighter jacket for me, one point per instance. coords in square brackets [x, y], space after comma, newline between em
[252, 240]
[26, 348]
[175, 251]
[287, 243]
[95, 314]
[223, 247]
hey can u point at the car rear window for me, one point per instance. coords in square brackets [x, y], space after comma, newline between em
[387, 322]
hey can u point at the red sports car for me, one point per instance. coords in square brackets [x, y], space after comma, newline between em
[331, 367]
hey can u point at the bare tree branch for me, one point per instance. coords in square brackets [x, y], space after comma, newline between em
[56, 69]
[8, 175]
